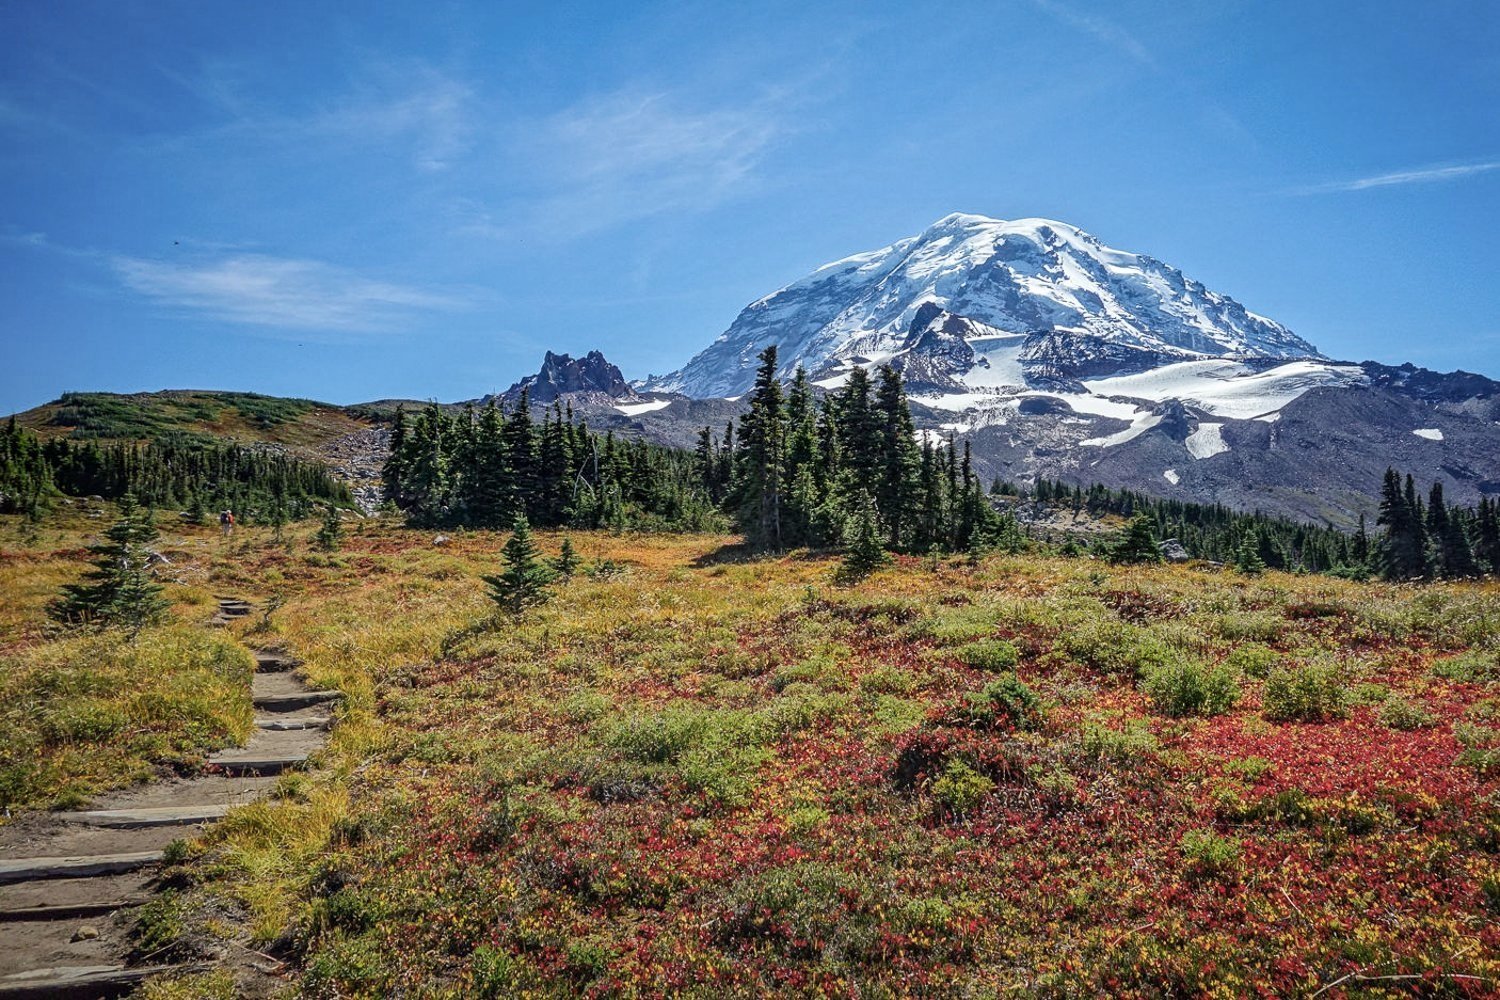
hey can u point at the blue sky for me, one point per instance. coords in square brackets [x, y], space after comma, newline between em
[310, 199]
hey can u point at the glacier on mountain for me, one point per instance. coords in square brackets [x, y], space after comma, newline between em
[1007, 283]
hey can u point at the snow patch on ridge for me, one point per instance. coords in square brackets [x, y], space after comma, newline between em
[1171, 476]
[1142, 424]
[1207, 441]
[636, 409]
[1228, 388]
[1430, 433]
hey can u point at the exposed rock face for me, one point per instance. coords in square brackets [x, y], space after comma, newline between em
[563, 375]
[1063, 360]
[936, 347]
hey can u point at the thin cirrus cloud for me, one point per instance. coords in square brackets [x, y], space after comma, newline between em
[1103, 30]
[631, 154]
[422, 113]
[282, 293]
[1420, 175]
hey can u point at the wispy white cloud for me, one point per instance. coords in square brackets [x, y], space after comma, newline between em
[632, 154]
[278, 292]
[433, 117]
[1419, 175]
[1102, 29]
[428, 115]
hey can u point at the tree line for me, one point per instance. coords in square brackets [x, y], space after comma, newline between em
[486, 467]
[801, 471]
[1215, 532]
[1432, 539]
[179, 471]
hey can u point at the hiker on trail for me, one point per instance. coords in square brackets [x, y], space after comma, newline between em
[226, 521]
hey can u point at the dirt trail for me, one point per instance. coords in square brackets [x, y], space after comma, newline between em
[70, 882]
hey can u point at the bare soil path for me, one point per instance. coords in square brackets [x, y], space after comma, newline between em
[70, 881]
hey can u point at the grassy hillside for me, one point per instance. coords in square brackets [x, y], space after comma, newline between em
[239, 416]
[692, 773]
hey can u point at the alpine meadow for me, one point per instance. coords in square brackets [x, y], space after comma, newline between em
[986, 611]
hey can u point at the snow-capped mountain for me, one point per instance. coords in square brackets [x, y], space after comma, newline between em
[1009, 281]
[1053, 355]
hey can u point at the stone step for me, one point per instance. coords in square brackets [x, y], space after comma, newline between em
[277, 725]
[83, 982]
[269, 661]
[140, 819]
[81, 866]
[68, 911]
[262, 765]
[291, 701]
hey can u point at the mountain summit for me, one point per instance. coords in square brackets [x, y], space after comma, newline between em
[1027, 277]
[564, 375]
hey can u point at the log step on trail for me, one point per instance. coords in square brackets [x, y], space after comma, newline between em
[260, 765]
[81, 866]
[68, 911]
[140, 819]
[294, 700]
[85, 982]
[277, 725]
[271, 661]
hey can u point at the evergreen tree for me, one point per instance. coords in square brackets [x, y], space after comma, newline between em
[1487, 543]
[567, 560]
[805, 496]
[119, 590]
[1247, 558]
[331, 532]
[1402, 552]
[393, 474]
[899, 460]
[759, 462]
[1139, 543]
[523, 582]
[864, 548]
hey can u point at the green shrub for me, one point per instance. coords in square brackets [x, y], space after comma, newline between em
[1249, 768]
[1251, 626]
[1205, 853]
[1400, 714]
[588, 958]
[1252, 659]
[344, 966]
[887, 680]
[495, 974]
[1005, 702]
[1188, 687]
[1313, 692]
[988, 654]
[1481, 747]
[1107, 644]
[1118, 745]
[805, 909]
[1473, 667]
[960, 788]
[158, 925]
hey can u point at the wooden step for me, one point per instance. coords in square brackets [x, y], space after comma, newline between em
[260, 765]
[81, 866]
[140, 819]
[276, 725]
[68, 911]
[86, 982]
[299, 699]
